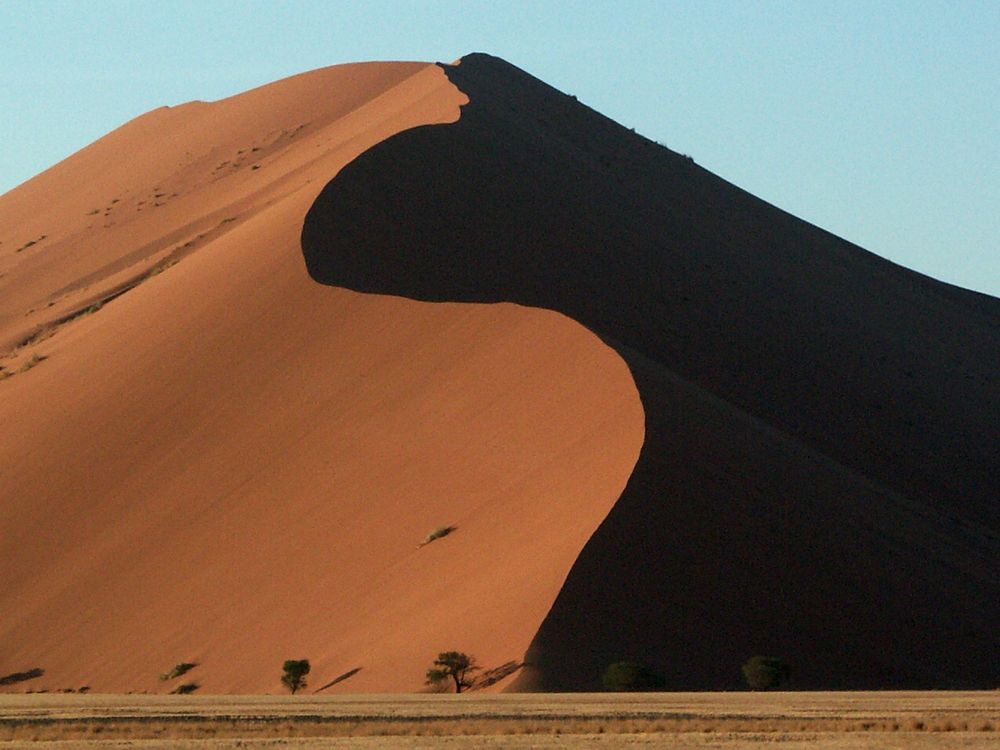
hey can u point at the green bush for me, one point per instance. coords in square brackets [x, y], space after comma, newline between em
[629, 677]
[765, 672]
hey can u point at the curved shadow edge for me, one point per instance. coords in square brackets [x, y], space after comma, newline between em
[777, 506]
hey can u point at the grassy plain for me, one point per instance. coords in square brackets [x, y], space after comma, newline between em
[680, 720]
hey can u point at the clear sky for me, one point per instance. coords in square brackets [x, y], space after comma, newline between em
[878, 121]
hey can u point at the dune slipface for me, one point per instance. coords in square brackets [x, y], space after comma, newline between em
[219, 461]
[819, 475]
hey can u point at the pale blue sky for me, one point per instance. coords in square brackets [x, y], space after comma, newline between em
[878, 121]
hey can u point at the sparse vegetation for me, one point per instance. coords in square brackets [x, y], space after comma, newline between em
[704, 720]
[454, 666]
[157, 270]
[31, 362]
[295, 671]
[30, 243]
[179, 669]
[186, 689]
[438, 533]
[765, 672]
[629, 677]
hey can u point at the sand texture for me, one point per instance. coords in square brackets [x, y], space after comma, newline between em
[257, 349]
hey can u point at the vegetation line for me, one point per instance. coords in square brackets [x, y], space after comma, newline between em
[228, 725]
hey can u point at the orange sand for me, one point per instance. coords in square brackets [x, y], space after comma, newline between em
[233, 465]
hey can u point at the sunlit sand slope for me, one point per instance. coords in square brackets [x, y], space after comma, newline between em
[208, 457]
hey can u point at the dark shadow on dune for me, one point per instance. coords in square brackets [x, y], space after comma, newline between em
[819, 477]
[340, 678]
[15, 677]
[492, 676]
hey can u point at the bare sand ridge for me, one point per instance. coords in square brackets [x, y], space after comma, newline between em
[819, 479]
[233, 465]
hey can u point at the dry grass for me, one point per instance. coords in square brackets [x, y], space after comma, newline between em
[236, 727]
[736, 720]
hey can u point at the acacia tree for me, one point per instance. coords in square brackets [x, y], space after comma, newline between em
[295, 671]
[453, 665]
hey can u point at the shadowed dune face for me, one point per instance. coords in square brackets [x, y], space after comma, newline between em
[230, 465]
[818, 479]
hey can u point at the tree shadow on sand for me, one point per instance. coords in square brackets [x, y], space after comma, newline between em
[16, 677]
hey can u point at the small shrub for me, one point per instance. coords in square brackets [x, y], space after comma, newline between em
[438, 533]
[295, 671]
[186, 689]
[157, 270]
[629, 677]
[31, 362]
[765, 672]
[179, 669]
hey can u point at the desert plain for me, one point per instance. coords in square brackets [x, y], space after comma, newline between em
[790, 720]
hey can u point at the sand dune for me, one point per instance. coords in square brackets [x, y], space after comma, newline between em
[687, 428]
[233, 465]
